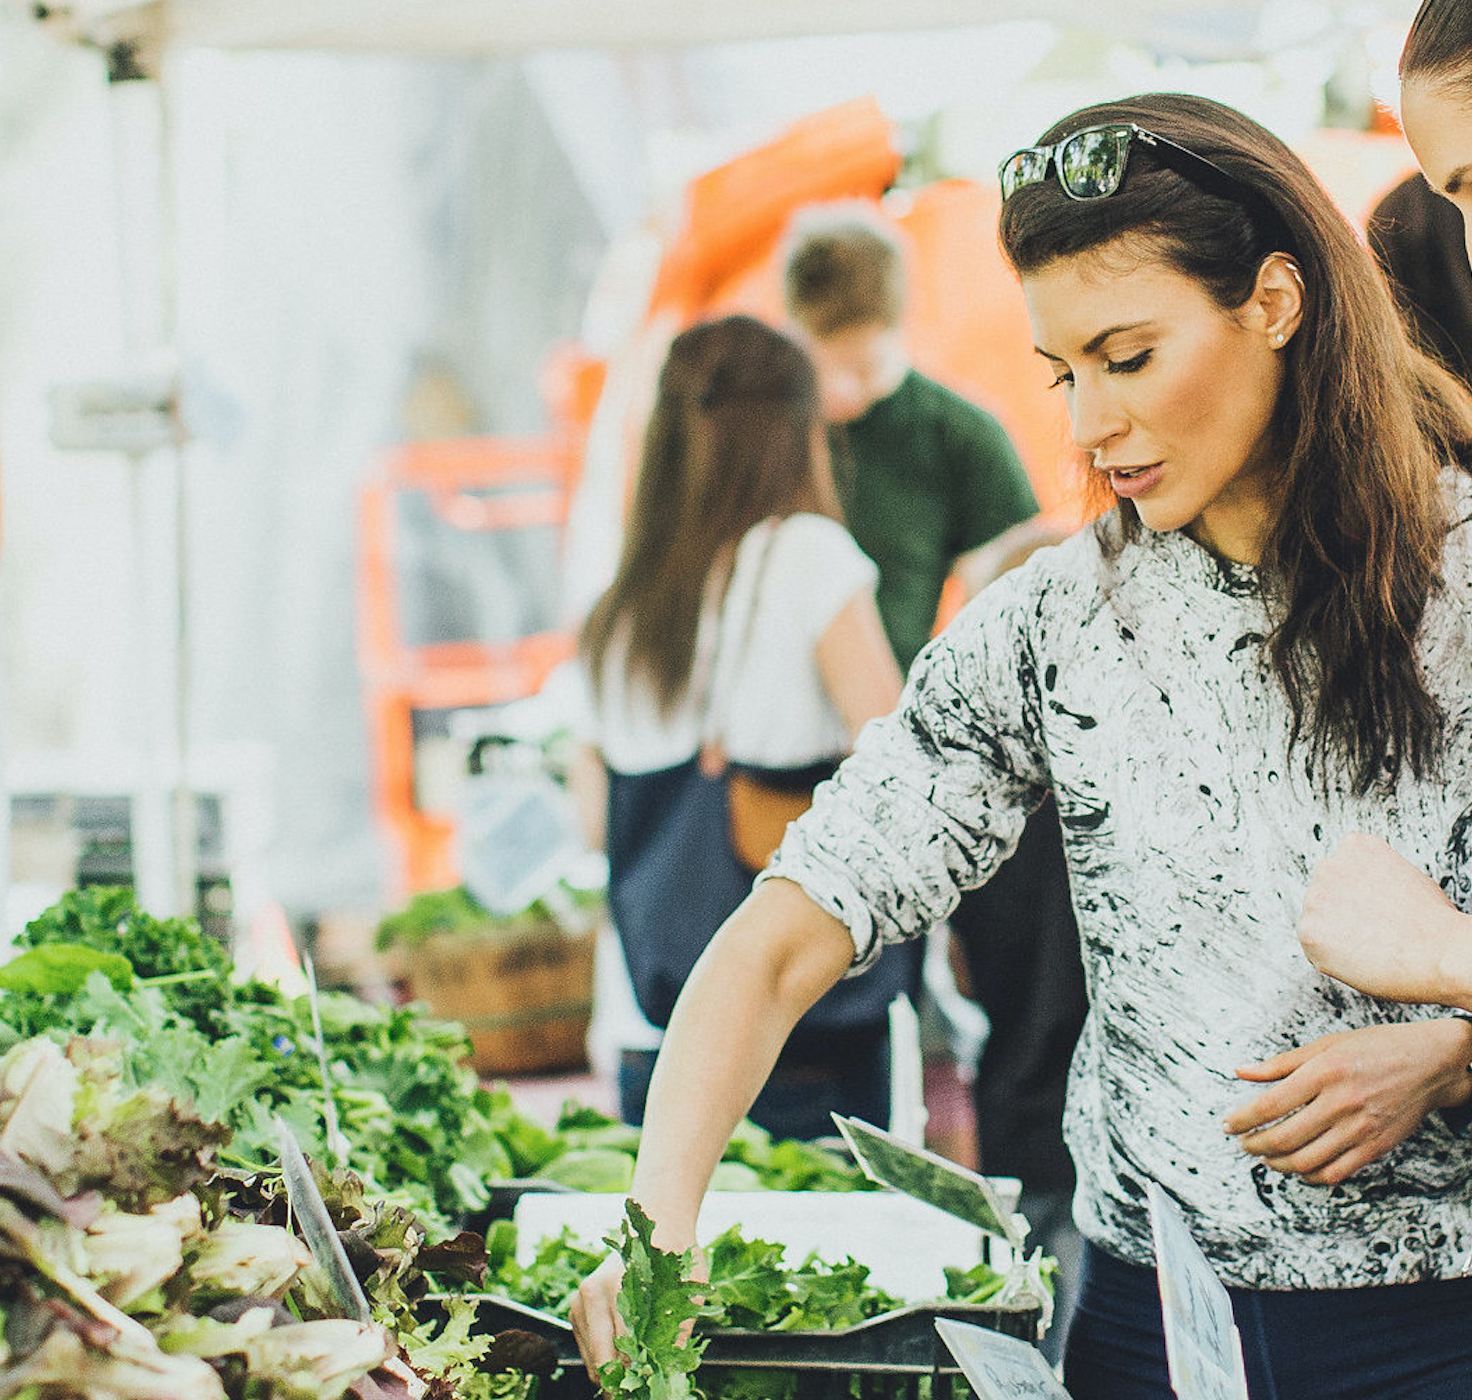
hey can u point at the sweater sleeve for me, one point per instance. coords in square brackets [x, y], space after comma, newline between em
[935, 795]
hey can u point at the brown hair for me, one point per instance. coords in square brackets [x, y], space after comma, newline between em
[733, 438]
[1439, 46]
[844, 267]
[1364, 424]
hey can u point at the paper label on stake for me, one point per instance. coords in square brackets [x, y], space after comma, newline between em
[999, 1367]
[311, 1213]
[1202, 1345]
[928, 1177]
[907, 1113]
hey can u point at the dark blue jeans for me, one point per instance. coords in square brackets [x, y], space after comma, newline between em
[1409, 1341]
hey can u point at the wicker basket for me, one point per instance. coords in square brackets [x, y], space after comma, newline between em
[524, 996]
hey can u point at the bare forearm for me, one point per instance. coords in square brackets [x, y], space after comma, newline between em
[990, 561]
[771, 960]
[1457, 961]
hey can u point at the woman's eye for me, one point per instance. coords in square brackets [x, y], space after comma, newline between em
[1060, 380]
[1131, 365]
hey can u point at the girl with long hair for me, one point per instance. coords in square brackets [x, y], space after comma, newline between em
[740, 631]
[1265, 643]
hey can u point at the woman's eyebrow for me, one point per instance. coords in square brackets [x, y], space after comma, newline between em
[1095, 342]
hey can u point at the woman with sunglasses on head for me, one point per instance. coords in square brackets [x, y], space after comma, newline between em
[1262, 645]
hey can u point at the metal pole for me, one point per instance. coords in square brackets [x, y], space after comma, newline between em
[164, 818]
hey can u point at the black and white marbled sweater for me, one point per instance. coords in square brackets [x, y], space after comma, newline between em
[1137, 690]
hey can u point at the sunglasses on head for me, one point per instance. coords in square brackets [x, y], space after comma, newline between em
[1091, 163]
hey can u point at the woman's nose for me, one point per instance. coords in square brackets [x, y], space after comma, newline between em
[1095, 416]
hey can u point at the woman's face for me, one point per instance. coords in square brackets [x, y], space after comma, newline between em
[1438, 123]
[1169, 395]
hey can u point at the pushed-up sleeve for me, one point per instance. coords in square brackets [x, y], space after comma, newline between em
[935, 795]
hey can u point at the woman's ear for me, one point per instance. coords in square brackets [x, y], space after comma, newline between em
[1276, 305]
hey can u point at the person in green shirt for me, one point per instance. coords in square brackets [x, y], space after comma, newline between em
[931, 486]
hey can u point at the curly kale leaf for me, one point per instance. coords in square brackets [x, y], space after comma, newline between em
[659, 1301]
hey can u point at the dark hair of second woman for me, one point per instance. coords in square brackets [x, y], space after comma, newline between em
[1364, 424]
[735, 437]
[1438, 48]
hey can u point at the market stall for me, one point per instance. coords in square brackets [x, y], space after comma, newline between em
[387, 1092]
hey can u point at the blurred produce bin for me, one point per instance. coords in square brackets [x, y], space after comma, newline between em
[523, 994]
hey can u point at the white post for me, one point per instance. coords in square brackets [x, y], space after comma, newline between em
[163, 832]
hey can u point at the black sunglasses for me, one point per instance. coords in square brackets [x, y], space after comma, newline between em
[1091, 164]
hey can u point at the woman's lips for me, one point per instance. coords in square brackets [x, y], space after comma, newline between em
[1135, 481]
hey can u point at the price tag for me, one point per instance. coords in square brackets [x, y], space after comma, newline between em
[1202, 1344]
[928, 1177]
[999, 1367]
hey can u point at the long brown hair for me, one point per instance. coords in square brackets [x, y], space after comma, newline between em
[734, 438]
[1364, 424]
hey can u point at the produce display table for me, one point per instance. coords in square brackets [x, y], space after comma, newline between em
[905, 1243]
[896, 1356]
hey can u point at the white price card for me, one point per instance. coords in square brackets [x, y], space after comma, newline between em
[1202, 1345]
[999, 1367]
[928, 1177]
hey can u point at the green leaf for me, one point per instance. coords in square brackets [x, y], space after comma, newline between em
[735, 1176]
[226, 1075]
[592, 1169]
[748, 1279]
[658, 1301]
[974, 1285]
[60, 969]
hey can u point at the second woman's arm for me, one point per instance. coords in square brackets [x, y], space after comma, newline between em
[770, 961]
[858, 669]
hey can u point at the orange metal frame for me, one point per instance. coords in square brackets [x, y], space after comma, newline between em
[535, 477]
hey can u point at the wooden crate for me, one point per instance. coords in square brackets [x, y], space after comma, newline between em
[524, 995]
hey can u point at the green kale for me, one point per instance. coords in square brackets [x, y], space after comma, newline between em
[107, 919]
[659, 1302]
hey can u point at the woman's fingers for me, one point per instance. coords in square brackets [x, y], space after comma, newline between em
[594, 1315]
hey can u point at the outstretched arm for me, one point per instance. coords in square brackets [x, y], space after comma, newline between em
[769, 962]
[1373, 920]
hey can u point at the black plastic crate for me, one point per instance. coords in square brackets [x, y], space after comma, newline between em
[895, 1356]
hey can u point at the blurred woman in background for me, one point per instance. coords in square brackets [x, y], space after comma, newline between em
[1371, 918]
[740, 634]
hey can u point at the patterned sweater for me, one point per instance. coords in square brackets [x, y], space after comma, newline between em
[1135, 687]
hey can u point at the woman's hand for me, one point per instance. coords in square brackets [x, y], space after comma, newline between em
[767, 964]
[1373, 920]
[596, 1320]
[594, 1313]
[1345, 1100]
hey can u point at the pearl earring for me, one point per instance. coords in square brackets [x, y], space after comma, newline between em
[1279, 338]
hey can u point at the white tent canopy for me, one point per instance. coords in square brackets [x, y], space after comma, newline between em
[1193, 28]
